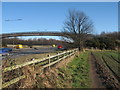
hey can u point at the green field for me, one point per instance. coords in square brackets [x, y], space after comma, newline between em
[110, 59]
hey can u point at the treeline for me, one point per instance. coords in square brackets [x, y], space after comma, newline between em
[30, 42]
[104, 41]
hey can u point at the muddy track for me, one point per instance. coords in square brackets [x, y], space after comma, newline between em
[101, 77]
[96, 82]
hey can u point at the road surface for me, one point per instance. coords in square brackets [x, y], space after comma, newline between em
[27, 51]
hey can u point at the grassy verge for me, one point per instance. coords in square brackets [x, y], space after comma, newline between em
[74, 75]
[9, 61]
[77, 72]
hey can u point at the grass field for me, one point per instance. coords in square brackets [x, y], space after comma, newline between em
[9, 61]
[110, 58]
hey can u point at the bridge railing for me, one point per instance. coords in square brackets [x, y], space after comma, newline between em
[45, 62]
[29, 32]
[6, 35]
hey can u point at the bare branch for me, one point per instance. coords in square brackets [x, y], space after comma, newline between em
[77, 27]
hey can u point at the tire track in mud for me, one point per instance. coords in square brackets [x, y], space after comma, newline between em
[103, 75]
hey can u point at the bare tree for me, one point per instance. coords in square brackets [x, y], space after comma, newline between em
[77, 27]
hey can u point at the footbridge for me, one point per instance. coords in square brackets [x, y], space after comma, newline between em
[7, 35]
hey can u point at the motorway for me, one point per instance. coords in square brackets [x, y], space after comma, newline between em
[33, 50]
[28, 51]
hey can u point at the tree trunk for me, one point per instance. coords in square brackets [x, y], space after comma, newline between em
[81, 46]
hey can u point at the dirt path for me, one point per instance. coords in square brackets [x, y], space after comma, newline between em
[96, 82]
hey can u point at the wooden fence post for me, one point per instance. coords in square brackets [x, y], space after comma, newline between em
[69, 54]
[6, 84]
[74, 52]
[49, 60]
[58, 56]
[63, 55]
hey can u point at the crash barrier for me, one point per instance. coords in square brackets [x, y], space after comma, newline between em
[45, 62]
